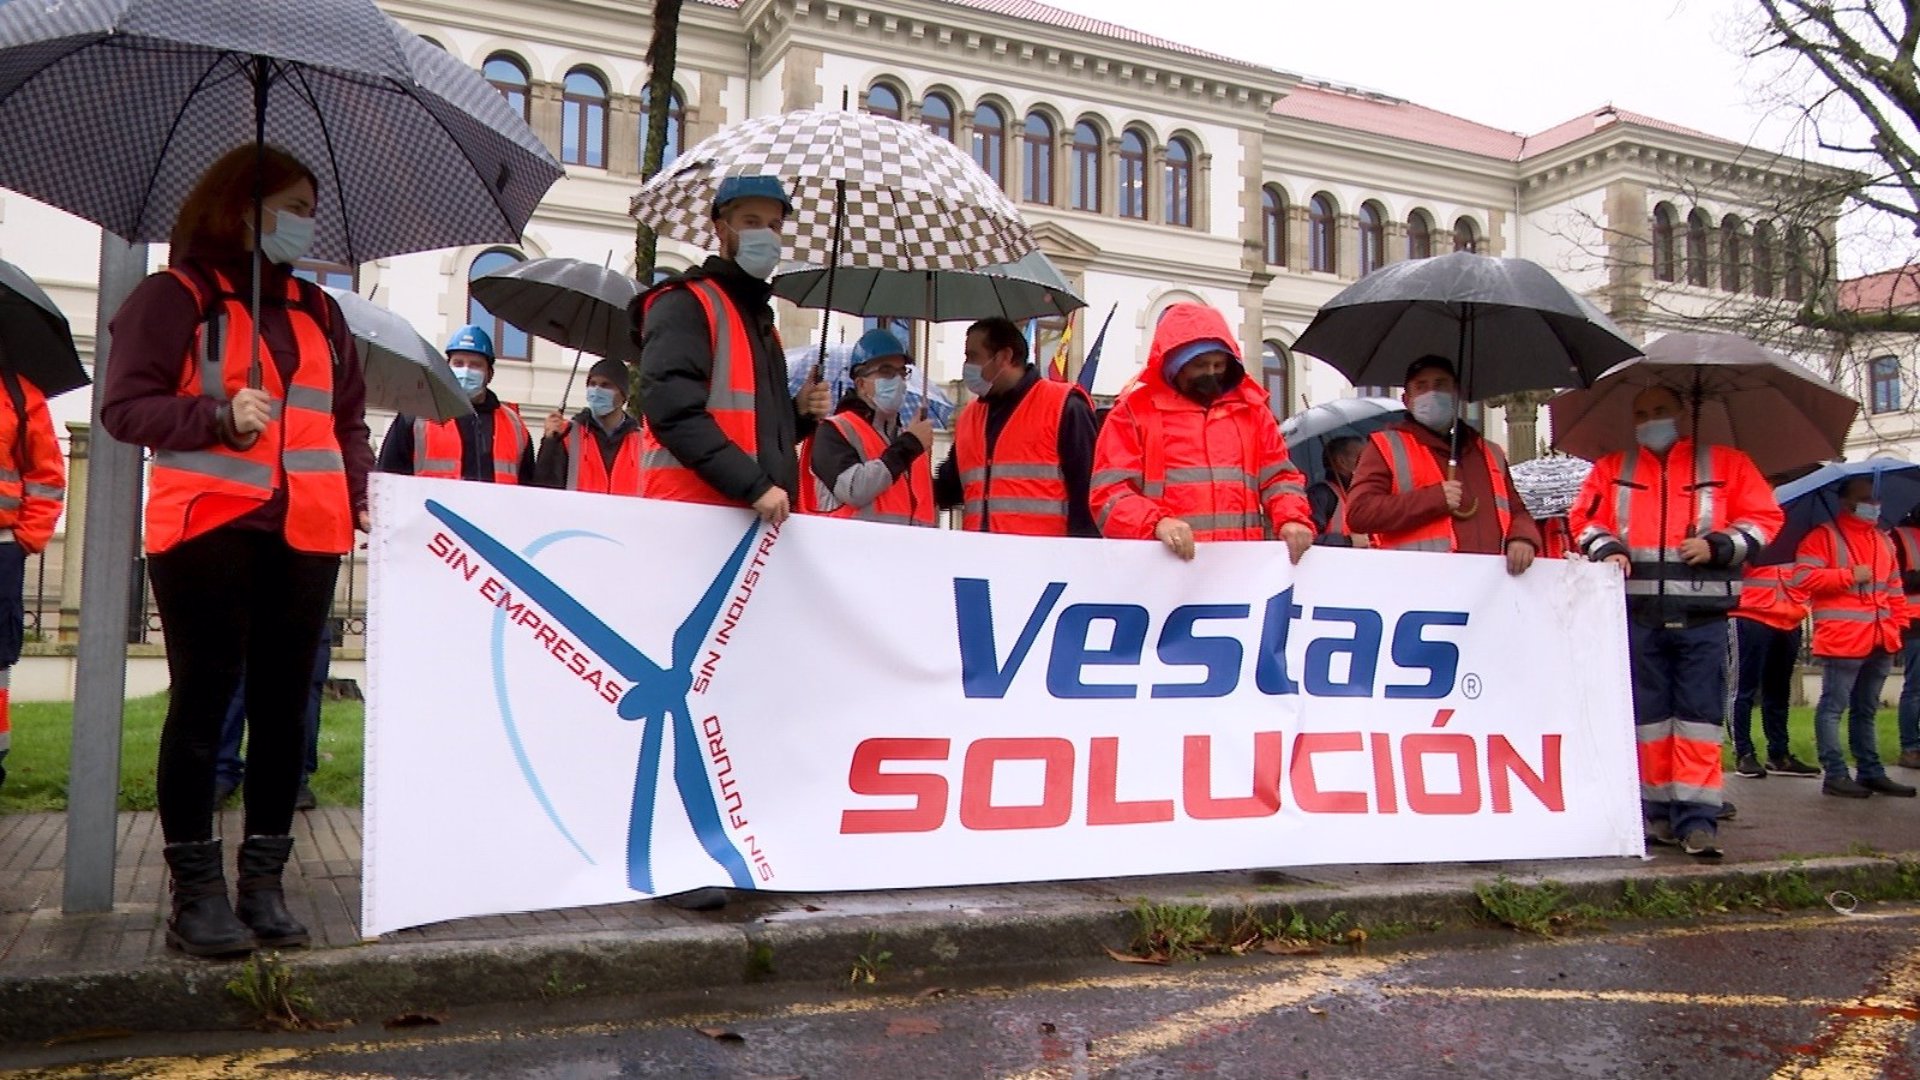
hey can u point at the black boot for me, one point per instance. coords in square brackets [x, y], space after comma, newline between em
[263, 904]
[202, 922]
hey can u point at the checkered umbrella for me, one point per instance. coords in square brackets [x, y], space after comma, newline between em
[913, 201]
[111, 109]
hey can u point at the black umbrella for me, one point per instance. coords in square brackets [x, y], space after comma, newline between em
[568, 301]
[35, 340]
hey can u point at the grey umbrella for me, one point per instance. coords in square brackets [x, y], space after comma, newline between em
[568, 301]
[1507, 324]
[404, 371]
[1028, 288]
[1307, 431]
[35, 340]
[1734, 392]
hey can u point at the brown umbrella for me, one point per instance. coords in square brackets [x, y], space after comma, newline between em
[1736, 393]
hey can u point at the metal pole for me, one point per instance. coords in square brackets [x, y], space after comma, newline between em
[106, 579]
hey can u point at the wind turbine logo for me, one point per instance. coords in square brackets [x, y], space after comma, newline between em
[657, 695]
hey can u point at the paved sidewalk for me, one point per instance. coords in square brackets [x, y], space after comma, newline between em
[61, 973]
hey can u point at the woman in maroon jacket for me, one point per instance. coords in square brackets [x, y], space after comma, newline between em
[259, 477]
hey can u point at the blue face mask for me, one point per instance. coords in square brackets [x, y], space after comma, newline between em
[1659, 434]
[889, 394]
[977, 385]
[472, 379]
[292, 235]
[1435, 410]
[759, 252]
[601, 400]
[1867, 511]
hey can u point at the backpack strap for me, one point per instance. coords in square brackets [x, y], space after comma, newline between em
[22, 447]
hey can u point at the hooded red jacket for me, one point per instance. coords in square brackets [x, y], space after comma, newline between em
[1222, 468]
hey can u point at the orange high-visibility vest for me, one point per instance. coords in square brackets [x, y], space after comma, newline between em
[1020, 490]
[1415, 467]
[908, 502]
[193, 492]
[1768, 598]
[436, 446]
[587, 470]
[1860, 618]
[730, 400]
[1907, 539]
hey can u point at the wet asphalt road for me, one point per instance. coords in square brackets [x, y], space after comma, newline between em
[1814, 997]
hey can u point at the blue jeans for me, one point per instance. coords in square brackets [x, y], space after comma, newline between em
[1910, 693]
[1767, 660]
[1851, 685]
[229, 767]
[1679, 700]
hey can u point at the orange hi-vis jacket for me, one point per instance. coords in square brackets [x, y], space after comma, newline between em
[32, 493]
[1638, 504]
[1906, 542]
[193, 492]
[1769, 597]
[1555, 540]
[436, 446]
[587, 470]
[1021, 489]
[1414, 467]
[1222, 468]
[730, 400]
[1849, 620]
[908, 502]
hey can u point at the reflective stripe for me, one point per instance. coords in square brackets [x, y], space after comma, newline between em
[973, 476]
[8, 476]
[721, 395]
[1220, 522]
[311, 461]
[427, 464]
[1402, 466]
[218, 466]
[1844, 614]
[1019, 472]
[1272, 472]
[1290, 489]
[1706, 796]
[9, 502]
[1623, 492]
[866, 514]
[42, 491]
[1106, 513]
[1699, 731]
[1029, 506]
[1205, 475]
[1681, 587]
[1113, 476]
[659, 459]
[1434, 544]
[1653, 731]
[310, 398]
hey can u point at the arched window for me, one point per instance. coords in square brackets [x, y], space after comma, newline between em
[1275, 374]
[1179, 183]
[509, 76]
[1697, 229]
[1466, 235]
[1133, 176]
[1036, 159]
[883, 100]
[509, 341]
[1664, 263]
[1763, 260]
[676, 116]
[1321, 251]
[1086, 166]
[1733, 256]
[1419, 235]
[990, 142]
[583, 119]
[936, 115]
[1273, 225]
[1373, 238]
[1794, 285]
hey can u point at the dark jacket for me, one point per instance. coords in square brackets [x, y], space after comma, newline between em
[553, 465]
[1077, 434]
[1325, 501]
[676, 370]
[476, 444]
[152, 334]
[833, 455]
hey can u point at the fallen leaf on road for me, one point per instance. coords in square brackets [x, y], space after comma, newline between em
[1316, 1011]
[720, 1034]
[1289, 948]
[415, 1019]
[88, 1035]
[1047, 1027]
[913, 1025]
[1128, 958]
[930, 992]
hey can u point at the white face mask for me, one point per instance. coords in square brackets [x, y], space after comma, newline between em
[601, 400]
[1867, 512]
[1658, 434]
[977, 385]
[290, 239]
[472, 379]
[758, 253]
[1434, 409]
[889, 394]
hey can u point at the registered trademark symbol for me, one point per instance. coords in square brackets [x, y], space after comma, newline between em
[1470, 686]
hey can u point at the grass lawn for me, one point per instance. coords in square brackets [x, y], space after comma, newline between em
[1800, 738]
[43, 736]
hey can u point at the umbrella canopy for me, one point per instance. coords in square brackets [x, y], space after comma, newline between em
[35, 340]
[1308, 431]
[1742, 395]
[404, 371]
[1507, 324]
[111, 109]
[1814, 499]
[912, 200]
[1028, 288]
[839, 379]
[578, 304]
[1548, 485]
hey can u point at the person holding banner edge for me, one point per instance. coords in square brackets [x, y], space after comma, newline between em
[1193, 453]
[861, 463]
[599, 449]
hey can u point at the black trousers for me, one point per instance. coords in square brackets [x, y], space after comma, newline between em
[234, 601]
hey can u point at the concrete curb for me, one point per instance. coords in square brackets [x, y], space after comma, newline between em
[375, 981]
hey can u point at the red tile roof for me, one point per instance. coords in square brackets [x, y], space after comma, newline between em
[1888, 290]
[1047, 14]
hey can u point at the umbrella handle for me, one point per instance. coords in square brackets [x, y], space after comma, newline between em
[1471, 508]
[575, 373]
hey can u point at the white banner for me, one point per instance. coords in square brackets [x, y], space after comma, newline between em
[582, 699]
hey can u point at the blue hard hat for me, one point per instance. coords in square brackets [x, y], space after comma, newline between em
[874, 344]
[473, 339]
[751, 187]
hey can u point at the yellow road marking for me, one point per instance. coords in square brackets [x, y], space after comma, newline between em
[1864, 1043]
[1627, 997]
